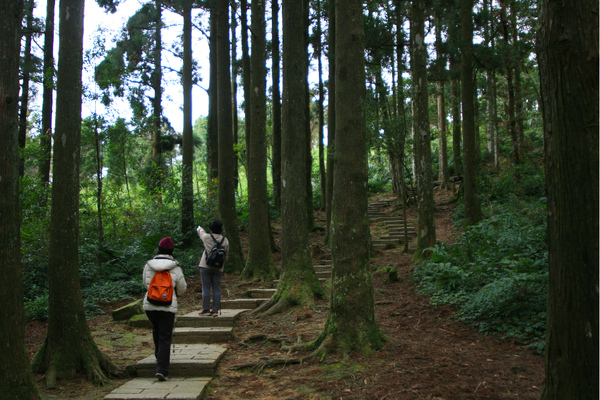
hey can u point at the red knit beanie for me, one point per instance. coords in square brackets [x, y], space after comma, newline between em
[166, 243]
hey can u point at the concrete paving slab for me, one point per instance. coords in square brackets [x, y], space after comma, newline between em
[186, 360]
[215, 334]
[241, 303]
[261, 293]
[226, 318]
[152, 389]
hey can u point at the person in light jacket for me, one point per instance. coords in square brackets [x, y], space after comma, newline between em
[163, 317]
[211, 276]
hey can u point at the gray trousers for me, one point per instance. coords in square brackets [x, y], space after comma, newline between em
[211, 280]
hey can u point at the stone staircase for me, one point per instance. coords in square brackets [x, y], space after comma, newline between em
[392, 225]
[198, 341]
[195, 354]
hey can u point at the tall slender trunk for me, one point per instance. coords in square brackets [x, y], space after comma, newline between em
[187, 172]
[321, 114]
[47, 103]
[26, 72]
[68, 349]
[234, 86]
[310, 211]
[212, 129]
[157, 160]
[456, 117]
[351, 324]
[444, 174]
[97, 140]
[512, 122]
[276, 146]
[227, 179]
[331, 120]
[426, 236]
[472, 203]
[298, 284]
[17, 380]
[260, 265]
[569, 62]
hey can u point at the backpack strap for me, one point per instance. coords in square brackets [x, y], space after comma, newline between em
[216, 241]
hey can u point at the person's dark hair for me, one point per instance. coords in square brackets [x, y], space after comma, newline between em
[216, 226]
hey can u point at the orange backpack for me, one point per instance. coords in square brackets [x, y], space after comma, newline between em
[160, 291]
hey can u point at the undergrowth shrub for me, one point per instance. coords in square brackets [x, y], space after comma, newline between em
[496, 276]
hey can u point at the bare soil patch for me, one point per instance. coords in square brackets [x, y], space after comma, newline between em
[428, 354]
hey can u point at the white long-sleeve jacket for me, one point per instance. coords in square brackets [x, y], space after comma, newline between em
[163, 262]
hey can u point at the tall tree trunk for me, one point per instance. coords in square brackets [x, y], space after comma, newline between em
[260, 265]
[351, 324]
[331, 120]
[399, 148]
[276, 145]
[156, 156]
[424, 174]
[47, 103]
[246, 70]
[212, 130]
[310, 211]
[234, 87]
[227, 179]
[568, 45]
[512, 122]
[320, 111]
[456, 117]
[26, 72]
[444, 174]
[17, 381]
[69, 348]
[98, 141]
[517, 62]
[472, 203]
[490, 91]
[187, 171]
[298, 284]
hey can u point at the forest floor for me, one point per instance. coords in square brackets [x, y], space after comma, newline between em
[428, 354]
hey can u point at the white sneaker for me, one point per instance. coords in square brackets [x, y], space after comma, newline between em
[161, 377]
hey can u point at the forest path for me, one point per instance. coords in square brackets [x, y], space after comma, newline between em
[196, 349]
[428, 355]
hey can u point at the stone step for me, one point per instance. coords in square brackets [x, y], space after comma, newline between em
[217, 334]
[324, 274]
[198, 360]
[128, 311]
[321, 279]
[241, 303]
[152, 389]
[226, 318]
[323, 268]
[260, 293]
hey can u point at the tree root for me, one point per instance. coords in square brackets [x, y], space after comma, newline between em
[265, 338]
[267, 363]
[85, 359]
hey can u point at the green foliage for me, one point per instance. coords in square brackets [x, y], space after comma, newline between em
[496, 275]
[380, 179]
[37, 308]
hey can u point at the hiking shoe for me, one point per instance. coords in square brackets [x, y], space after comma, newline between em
[161, 377]
[205, 312]
[214, 312]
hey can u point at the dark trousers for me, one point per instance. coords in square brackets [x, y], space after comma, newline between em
[162, 332]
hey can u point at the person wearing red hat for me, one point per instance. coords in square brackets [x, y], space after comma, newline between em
[162, 317]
